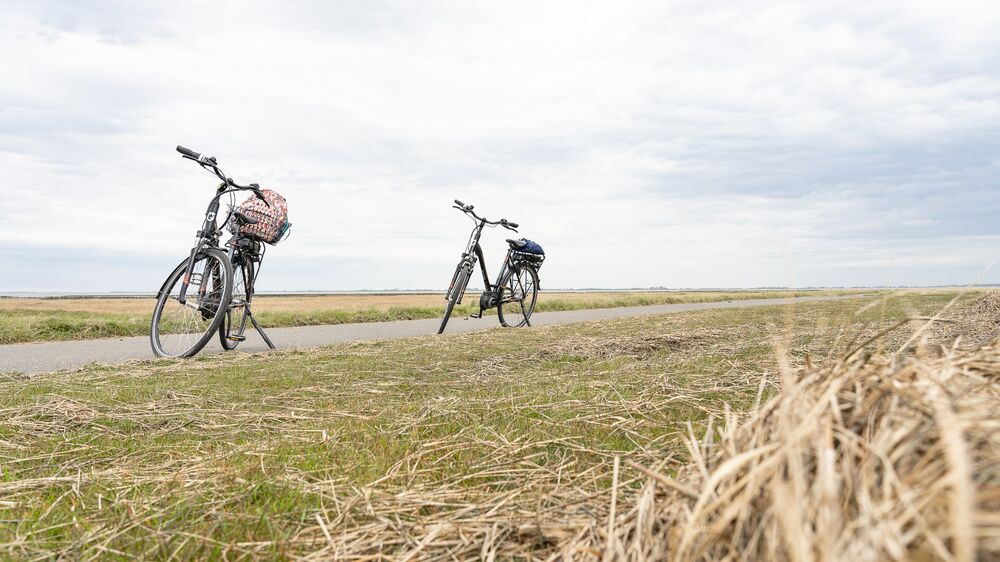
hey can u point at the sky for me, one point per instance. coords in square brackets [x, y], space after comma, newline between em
[668, 144]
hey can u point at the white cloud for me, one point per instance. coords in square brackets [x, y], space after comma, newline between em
[647, 143]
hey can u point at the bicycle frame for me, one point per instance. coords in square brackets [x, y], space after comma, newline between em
[210, 231]
[207, 236]
[474, 253]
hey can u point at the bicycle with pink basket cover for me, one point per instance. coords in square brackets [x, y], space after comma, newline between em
[210, 291]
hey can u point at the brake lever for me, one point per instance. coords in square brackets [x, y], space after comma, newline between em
[256, 190]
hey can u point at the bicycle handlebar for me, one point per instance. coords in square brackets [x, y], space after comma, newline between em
[467, 209]
[209, 162]
[188, 152]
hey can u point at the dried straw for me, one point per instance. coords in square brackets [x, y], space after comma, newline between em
[859, 461]
[864, 460]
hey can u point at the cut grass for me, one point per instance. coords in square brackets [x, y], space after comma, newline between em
[30, 320]
[284, 454]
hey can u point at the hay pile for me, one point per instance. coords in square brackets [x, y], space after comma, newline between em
[865, 460]
[635, 346]
[972, 324]
[857, 462]
[987, 305]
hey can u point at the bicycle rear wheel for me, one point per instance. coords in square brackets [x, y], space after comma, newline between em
[455, 291]
[518, 293]
[234, 321]
[181, 330]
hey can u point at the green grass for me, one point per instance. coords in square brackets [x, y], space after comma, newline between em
[239, 454]
[20, 325]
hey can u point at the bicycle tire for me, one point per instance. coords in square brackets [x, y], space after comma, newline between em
[460, 279]
[210, 307]
[522, 314]
[241, 286]
[224, 328]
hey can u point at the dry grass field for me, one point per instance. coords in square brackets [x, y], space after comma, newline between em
[839, 430]
[295, 303]
[33, 319]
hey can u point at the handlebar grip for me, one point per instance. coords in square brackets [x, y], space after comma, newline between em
[459, 203]
[512, 224]
[188, 152]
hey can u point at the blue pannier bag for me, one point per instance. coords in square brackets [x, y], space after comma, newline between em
[531, 247]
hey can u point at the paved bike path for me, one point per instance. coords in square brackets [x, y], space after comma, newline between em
[53, 356]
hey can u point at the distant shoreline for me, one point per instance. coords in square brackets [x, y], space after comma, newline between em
[144, 295]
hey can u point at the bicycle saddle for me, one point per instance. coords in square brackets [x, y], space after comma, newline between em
[242, 218]
[517, 244]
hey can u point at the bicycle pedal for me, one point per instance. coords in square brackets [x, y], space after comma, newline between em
[476, 315]
[236, 338]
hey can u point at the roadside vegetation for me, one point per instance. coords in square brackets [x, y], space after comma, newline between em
[30, 320]
[586, 441]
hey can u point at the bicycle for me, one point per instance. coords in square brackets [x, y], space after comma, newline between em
[211, 290]
[516, 289]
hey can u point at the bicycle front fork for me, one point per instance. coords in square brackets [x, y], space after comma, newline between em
[182, 298]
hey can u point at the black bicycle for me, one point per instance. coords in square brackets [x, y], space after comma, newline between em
[516, 289]
[210, 291]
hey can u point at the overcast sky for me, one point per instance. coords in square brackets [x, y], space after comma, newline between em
[677, 144]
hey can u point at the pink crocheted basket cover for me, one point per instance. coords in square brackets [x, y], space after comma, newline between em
[270, 219]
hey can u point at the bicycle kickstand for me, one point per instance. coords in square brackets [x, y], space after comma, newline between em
[260, 330]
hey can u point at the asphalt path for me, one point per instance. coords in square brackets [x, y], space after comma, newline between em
[53, 356]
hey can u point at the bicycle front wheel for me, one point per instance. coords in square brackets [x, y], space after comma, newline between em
[182, 329]
[518, 293]
[455, 291]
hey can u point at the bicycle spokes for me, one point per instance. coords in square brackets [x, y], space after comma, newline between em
[519, 286]
[235, 323]
[519, 292]
[180, 327]
[187, 319]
